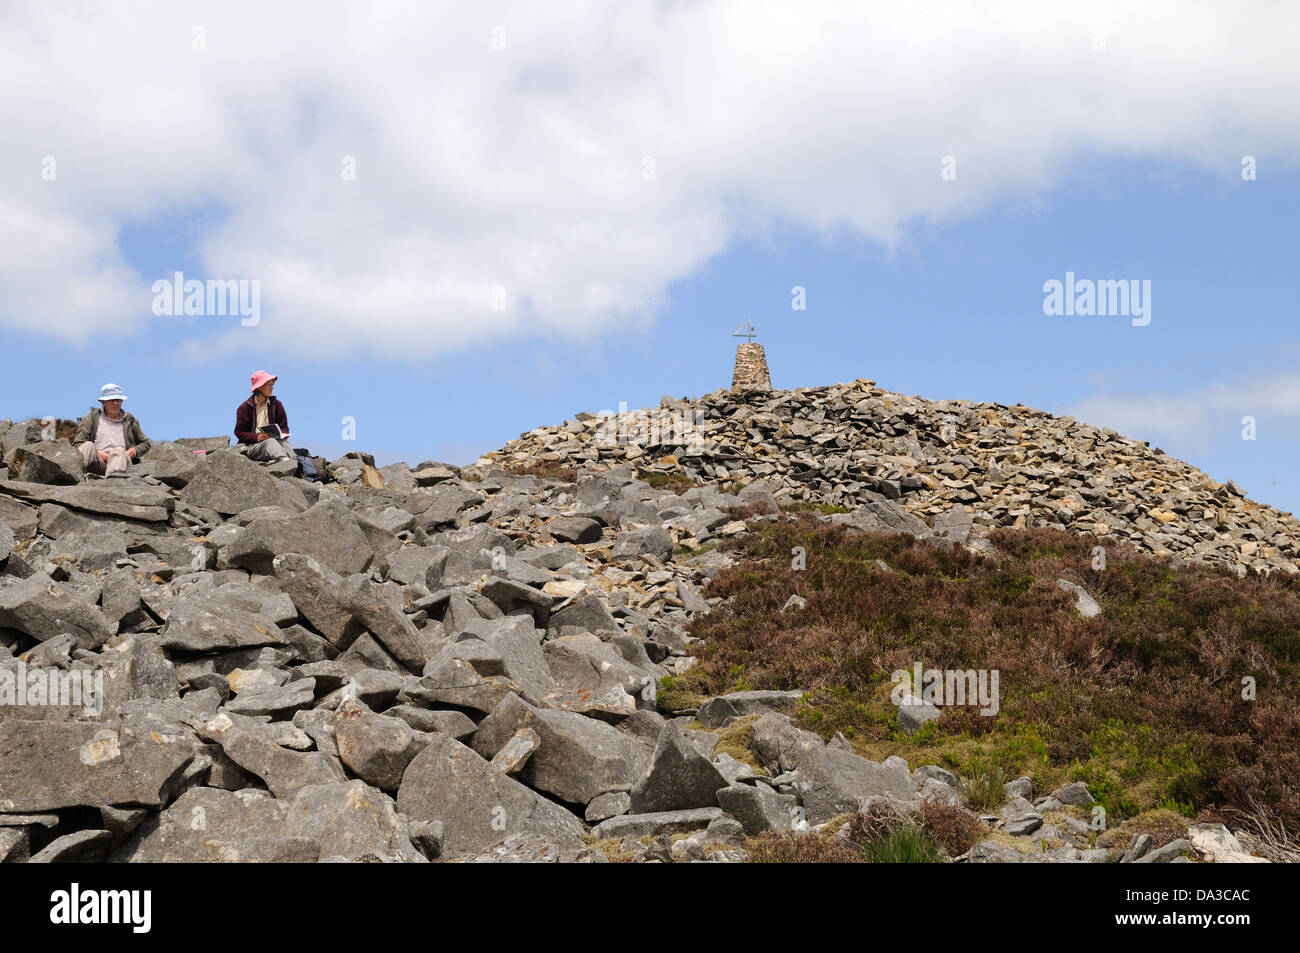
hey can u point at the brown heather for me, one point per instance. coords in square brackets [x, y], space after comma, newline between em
[1144, 703]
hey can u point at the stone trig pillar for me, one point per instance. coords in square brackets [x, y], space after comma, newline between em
[751, 363]
[751, 369]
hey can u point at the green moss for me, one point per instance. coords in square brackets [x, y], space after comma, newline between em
[671, 698]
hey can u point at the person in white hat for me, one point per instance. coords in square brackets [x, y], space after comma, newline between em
[109, 438]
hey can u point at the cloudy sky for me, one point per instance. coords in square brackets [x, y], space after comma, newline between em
[466, 220]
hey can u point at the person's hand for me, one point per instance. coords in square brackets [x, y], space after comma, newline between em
[130, 452]
[262, 436]
[103, 455]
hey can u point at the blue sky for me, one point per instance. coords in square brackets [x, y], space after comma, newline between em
[623, 289]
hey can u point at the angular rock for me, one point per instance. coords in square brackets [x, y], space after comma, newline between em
[42, 608]
[647, 541]
[716, 712]
[313, 589]
[1084, 603]
[516, 752]
[350, 819]
[679, 778]
[376, 748]
[284, 771]
[758, 807]
[519, 645]
[393, 628]
[206, 624]
[477, 804]
[653, 825]
[831, 781]
[46, 461]
[47, 765]
[578, 758]
[913, 713]
[589, 614]
[229, 483]
[574, 529]
[328, 532]
[81, 847]
[609, 805]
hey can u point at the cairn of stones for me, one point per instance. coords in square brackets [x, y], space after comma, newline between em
[859, 446]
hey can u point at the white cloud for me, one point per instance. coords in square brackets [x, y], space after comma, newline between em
[523, 168]
[1197, 419]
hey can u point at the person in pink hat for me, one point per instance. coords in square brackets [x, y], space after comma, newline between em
[261, 425]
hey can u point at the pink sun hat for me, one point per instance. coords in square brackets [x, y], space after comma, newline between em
[261, 377]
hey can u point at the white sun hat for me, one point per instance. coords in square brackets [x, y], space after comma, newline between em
[111, 392]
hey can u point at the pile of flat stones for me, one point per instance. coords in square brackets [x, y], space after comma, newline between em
[854, 444]
[210, 659]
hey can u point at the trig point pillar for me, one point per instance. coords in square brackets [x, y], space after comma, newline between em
[751, 363]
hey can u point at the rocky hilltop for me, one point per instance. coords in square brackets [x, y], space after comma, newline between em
[850, 445]
[208, 659]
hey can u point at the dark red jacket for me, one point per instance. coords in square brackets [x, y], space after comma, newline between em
[246, 418]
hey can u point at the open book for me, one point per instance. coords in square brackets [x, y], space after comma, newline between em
[273, 430]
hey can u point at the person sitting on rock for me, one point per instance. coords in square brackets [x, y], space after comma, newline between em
[109, 438]
[257, 418]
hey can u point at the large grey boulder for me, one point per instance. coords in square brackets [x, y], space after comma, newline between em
[454, 682]
[583, 663]
[136, 668]
[15, 434]
[42, 608]
[649, 540]
[6, 542]
[657, 823]
[375, 748]
[120, 497]
[19, 517]
[285, 771]
[758, 807]
[913, 712]
[229, 483]
[351, 819]
[205, 825]
[416, 565]
[574, 529]
[51, 765]
[578, 759]
[314, 591]
[510, 595]
[278, 701]
[392, 627]
[588, 613]
[328, 532]
[478, 805]
[519, 645]
[438, 507]
[173, 464]
[679, 777]
[831, 780]
[717, 711]
[206, 623]
[46, 461]
[887, 516]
